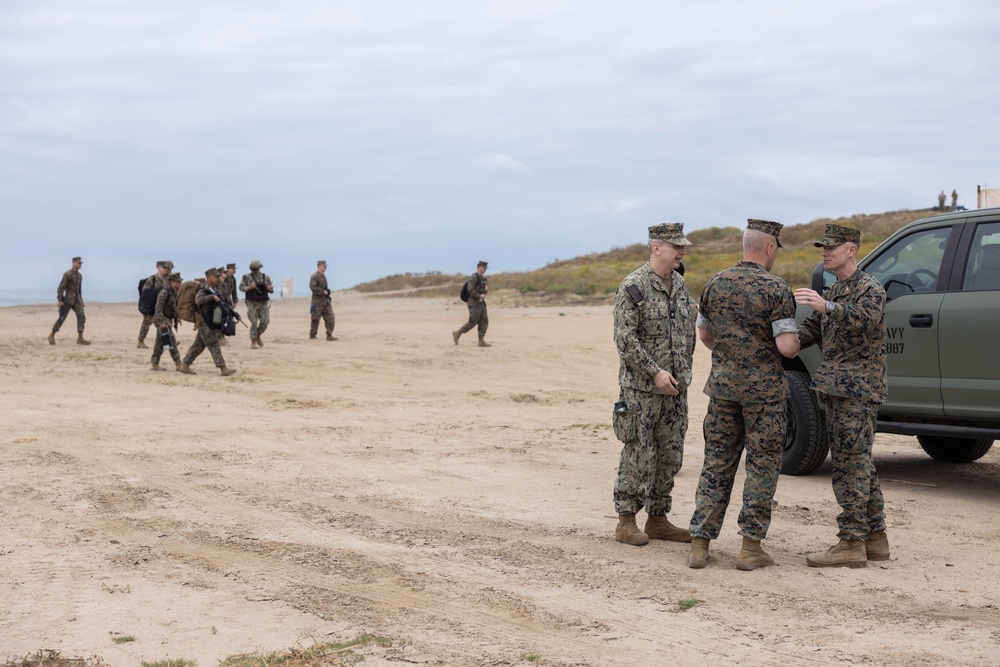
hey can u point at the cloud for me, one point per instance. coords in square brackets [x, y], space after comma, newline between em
[501, 163]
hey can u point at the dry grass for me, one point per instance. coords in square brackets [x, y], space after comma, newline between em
[594, 278]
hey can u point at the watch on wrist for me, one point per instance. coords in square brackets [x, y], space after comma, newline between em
[830, 305]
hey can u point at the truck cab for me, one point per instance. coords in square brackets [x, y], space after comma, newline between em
[942, 281]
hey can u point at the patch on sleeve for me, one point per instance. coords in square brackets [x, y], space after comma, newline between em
[779, 327]
[634, 294]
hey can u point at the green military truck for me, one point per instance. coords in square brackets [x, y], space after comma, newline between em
[942, 281]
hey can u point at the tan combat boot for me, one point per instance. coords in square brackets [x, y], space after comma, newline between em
[454, 336]
[185, 368]
[141, 345]
[626, 531]
[52, 338]
[698, 556]
[752, 556]
[260, 343]
[659, 528]
[846, 553]
[483, 343]
[330, 336]
[80, 340]
[877, 545]
[156, 367]
[253, 343]
[312, 336]
[226, 371]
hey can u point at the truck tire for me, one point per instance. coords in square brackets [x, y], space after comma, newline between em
[805, 431]
[954, 450]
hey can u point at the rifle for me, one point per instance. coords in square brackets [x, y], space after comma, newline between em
[226, 308]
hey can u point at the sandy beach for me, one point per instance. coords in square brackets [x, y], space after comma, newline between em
[456, 500]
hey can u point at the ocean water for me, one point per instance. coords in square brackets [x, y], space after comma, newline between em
[30, 297]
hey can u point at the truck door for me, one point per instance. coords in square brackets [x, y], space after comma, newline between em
[970, 362]
[909, 270]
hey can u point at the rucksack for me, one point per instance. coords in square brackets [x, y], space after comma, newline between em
[147, 300]
[464, 294]
[142, 281]
[186, 308]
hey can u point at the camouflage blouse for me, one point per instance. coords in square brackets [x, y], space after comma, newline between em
[746, 307]
[852, 338]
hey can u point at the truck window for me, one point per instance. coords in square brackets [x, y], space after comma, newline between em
[911, 264]
[982, 272]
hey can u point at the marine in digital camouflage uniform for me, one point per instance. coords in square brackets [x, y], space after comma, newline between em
[849, 326]
[207, 336]
[322, 303]
[69, 296]
[158, 279]
[479, 318]
[654, 333]
[227, 285]
[257, 286]
[747, 319]
[164, 317]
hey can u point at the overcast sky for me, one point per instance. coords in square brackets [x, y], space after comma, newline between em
[394, 136]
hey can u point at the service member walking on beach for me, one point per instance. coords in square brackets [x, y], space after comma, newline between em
[156, 281]
[69, 295]
[257, 286]
[227, 285]
[205, 300]
[165, 317]
[849, 326]
[747, 319]
[476, 288]
[322, 303]
[655, 338]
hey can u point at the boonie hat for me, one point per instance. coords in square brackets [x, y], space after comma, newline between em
[768, 227]
[838, 235]
[671, 232]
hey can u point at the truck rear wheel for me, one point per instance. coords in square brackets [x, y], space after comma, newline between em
[954, 450]
[805, 431]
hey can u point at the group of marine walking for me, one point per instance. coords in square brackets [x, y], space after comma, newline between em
[746, 317]
[211, 302]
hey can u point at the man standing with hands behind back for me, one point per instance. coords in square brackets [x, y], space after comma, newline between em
[654, 334]
[849, 326]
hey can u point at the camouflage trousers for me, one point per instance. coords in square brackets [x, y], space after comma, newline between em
[147, 321]
[207, 337]
[652, 431]
[158, 347]
[731, 427]
[81, 317]
[478, 317]
[259, 314]
[323, 309]
[850, 424]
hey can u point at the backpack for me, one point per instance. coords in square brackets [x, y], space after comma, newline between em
[147, 300]
[464, 294]
[186, 308]
[142, 281]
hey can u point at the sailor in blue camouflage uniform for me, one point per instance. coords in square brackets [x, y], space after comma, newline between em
[849, 326]
[654, 334]
[747, 319]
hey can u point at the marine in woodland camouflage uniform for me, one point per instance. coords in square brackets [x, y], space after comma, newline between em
[69, 296]
[322, 303]
[654, 334]
[747, 319]
[207, 336]
[478, 317]
[257, 286]
[849, 326]
[158, 279]
[227, 285]
[165, 317]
